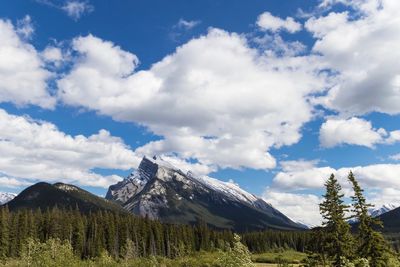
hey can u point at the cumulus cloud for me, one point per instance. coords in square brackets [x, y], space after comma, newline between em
[268, 22]
[380, 182]
[302, 208]
[394, 137]
[301, 175]
[385, 196]
[362, 49]
[373, 176]
[215, 99]
[52, 54]
[23, 76]
[352, 131]
[35, 150]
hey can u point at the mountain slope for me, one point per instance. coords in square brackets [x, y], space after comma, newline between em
[377, 211]
[391, 220]
[44, 195]
[159, 190]
[6, 197]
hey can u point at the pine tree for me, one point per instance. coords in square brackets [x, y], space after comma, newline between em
[372, 245]
[4, 232]
[339, 242]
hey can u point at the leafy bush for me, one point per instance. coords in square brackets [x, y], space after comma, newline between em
[238, 256]
[52, 253]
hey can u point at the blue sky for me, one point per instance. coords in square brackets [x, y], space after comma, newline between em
[272, 95]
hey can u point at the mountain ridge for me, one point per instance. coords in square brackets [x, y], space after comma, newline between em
[159, 190]
[43, 195]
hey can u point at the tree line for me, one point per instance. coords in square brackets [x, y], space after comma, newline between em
[116, 233]
[119, 233]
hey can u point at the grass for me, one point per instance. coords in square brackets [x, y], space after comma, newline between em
[272, 265]
[287, 256]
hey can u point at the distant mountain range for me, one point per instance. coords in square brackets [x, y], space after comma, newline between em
[161, 191]
[6, 197]
[378, 211]
[44, 195]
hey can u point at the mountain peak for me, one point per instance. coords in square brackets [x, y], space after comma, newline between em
[159, 190]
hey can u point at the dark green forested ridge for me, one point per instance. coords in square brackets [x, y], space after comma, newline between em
[44, 195]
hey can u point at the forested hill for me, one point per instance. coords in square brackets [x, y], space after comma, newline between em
[44, 195]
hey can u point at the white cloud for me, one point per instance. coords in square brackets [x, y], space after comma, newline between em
[187, 24]
[385, 196]
[76, 9]
[11, 182]
[394, 137]
[300, 175]
[23, 75]
[275, 45]
[380, 181]
[375, 176]
[215, 99]
[395, 157]
[266, 21]
[36, 150]
[52, 54]
[352, 131]
[363, 50]
[299, 207]
[25, 28]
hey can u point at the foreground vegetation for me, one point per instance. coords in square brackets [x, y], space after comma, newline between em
[60, 237]
[337, 246]
[56, 253]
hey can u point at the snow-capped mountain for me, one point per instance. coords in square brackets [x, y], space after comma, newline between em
[378, 211]
[161, 191]
[6, 197]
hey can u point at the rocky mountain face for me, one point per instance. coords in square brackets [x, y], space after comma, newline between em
[6, 197]
[161, 191]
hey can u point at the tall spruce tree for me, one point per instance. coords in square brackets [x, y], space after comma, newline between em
[339, 242]
[371, 243]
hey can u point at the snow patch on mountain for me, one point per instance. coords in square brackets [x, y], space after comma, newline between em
[378, 211]
[6, 197]
[231, 190]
